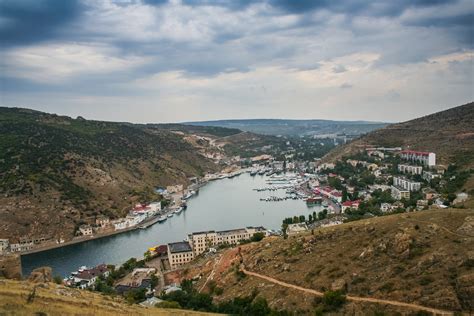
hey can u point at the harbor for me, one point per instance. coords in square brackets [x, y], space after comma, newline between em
[221, 204]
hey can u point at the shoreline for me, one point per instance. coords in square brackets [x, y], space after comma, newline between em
[148, 223]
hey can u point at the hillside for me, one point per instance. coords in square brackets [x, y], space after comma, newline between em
[295, 127]
[25, 298]
[59, 172]
[450, 134]
[403, 263]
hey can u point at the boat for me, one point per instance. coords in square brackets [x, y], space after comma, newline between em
[161, 219]
[178, 210]
[170, 215]
[253, 172]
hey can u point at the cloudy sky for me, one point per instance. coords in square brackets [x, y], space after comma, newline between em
[181, 60]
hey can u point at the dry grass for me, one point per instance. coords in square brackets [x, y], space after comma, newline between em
[16, 298]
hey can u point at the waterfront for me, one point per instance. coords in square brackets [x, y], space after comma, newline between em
[221, 204]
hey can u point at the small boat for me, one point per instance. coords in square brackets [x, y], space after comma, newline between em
[177, 211]
[161, 219]
[170, 215]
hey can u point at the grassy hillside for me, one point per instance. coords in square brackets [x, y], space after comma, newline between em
[450, 134]
[423, 258]
[295, 127]
[60, 172]
[24, 298]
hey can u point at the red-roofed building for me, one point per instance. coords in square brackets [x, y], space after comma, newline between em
[350, 205]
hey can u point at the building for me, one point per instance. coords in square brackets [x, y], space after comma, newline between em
[385, 207]
[330, 193]
[425, 158]
[201, 241]
[428, 175]
[140, 278]
[4, 246]
[85, 230]
[403, 168]
[406, 184]
[179, 253]
[102, 221]
[399, 193]
[87, 278]
[25, 244]
[350, 205]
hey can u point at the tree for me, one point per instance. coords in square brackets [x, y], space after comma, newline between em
[323, 214]
[257, 237]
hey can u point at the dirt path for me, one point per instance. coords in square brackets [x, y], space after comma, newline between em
[349, 297]
[440, 227]
[211, 275]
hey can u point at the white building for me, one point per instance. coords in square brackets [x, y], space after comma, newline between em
[86, 230]
[426, 158]
[428, 175]
[410, 169]
[179, 253]
[406, 184]
[201, 241]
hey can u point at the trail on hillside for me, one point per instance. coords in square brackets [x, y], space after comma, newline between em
[349, 297]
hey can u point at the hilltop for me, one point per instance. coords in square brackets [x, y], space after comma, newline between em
[26, 298]
[449, 133]
[403, 263]
[295, 127]
[60, 172]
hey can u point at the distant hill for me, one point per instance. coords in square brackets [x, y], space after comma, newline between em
[59, 172]
[295, 127]
[449, 133]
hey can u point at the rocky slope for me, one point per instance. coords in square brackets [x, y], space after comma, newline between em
[450, 134]
[59, 172]
[425, 259]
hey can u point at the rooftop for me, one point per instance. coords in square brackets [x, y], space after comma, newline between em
[177, 247]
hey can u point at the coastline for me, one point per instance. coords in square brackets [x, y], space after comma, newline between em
[148, 223]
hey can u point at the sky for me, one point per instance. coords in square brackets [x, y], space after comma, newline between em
[190, 60]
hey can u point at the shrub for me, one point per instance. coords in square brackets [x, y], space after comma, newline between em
[333, 300]
[168, 304]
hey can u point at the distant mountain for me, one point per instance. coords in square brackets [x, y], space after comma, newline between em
[295, 127]
[449, 133]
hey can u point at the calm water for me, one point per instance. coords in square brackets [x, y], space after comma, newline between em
[222, 204]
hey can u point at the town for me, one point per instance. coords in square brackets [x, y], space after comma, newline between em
[377, 181]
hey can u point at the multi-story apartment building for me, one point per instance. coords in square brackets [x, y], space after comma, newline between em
[200, 241]
[406, 184]
[399, 193]
[179, 253]
[426, 158]
[410, 169]
[428, 175]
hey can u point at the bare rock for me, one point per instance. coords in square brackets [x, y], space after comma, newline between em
[467, 228]
[402, 243]
[339, 285]
[41, 275]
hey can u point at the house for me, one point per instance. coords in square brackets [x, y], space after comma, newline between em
[421, 204]
[140, 278]
[86, 230]
[4, 246]
[350, 205]
[428, 175]
[87, 278]
[297, 228]
[102, 221]
[385, 207]
[120, 224]
[179, 253]
[403, 168]
[426, 158]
